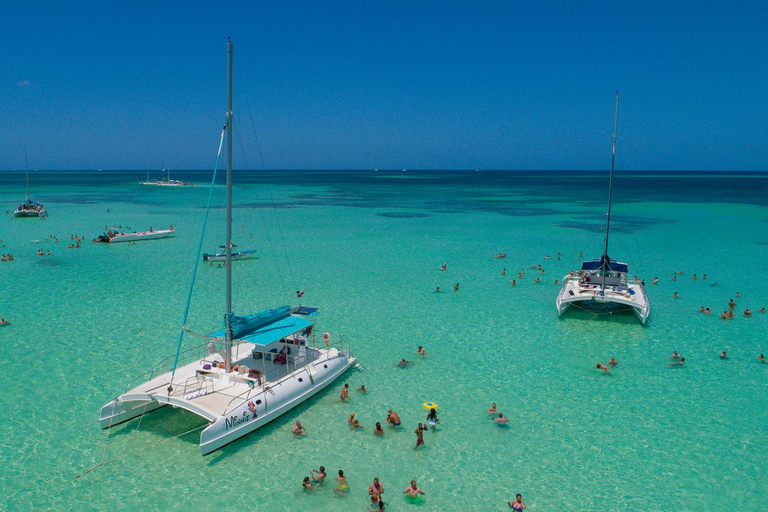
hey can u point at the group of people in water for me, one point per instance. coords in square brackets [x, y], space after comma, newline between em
[317, 477]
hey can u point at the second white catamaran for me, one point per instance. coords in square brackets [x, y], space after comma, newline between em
[248, 373]
[605, 285]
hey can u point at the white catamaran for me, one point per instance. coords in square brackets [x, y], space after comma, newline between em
[245, 375]
[605, 285]
[168, 182]
[29, 208]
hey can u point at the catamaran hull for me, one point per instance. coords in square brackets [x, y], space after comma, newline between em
[598, 304]
[123, 409]
[269, 405]
[146, 235]
[28, 213]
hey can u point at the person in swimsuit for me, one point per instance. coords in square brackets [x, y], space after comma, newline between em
[432, 418]
[675, 355]
[345, 392]
[501, 420]
[613, 361]
[343, 487]
[419, 435]
[362, 389]
[517, 504]
[403, 363]
[761, 358]
[413, 490]
[356, 425]
[378, 429]
[393, 418]
[681, 362]
[318, 475]
[375, 490]
[351, 419]
[492, 409]
[723, 355]
[298, 430]
[421, 351]
[601, 366]
[307, 484]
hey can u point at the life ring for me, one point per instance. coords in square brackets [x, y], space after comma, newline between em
[327, 338]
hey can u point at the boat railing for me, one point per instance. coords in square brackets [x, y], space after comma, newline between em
[292, 364]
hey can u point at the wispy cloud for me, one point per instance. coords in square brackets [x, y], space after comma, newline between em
[23, 83]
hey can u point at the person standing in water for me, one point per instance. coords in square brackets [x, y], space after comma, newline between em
[318, 475]
[518, 503]
[421, 351]
[345, 392]
[393, 418]
[343, 487]
[375, 490]
[419, 435]
[413, 490]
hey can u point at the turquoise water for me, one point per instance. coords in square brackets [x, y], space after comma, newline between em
[367, 248]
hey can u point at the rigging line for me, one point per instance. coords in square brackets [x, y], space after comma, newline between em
[197, 260]
[265, 224]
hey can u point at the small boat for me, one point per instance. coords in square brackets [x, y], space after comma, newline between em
[29, 208]
[238, 378]
[242, 255]
[603, 286]
[168, 182]
[113, 237]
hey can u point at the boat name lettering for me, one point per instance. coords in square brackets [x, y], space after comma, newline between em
[234, 421]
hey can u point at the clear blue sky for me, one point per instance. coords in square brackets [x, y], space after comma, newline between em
[423, 85]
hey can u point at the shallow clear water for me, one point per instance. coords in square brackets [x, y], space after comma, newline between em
[367, 249]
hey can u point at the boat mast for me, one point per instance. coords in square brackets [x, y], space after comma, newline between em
[229, 205]
[26, 170]
[605, 259]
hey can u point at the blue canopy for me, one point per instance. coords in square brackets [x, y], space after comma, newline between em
[613, 265]
[266, 327]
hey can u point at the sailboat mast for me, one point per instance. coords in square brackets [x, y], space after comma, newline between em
[606, 260]
[26, 170]
[229, 205]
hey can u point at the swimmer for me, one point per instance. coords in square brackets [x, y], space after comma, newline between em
[555, 282]
[707, 311]
[601, 366]
[403, 363]
[421, 351]
[419, 435]
[375, 490]
[701, 309]
[356, 425]
[393, 418]
[613, 361]
[676, 295]
[762, 309]
[674, 278]
[693, 277]
[343, 486]
[362, 389]
[437, 290]
[444, 267]
[738, 295]
[675, 355]
[517, 504]
[655, 280]
[747, 312]
[298, 430]
[432, 419]
[704, 276]
[378, 429]
[492, 409]
[345, 392]
[456, 287]
[723, 355]
[681, 362]
[501, 420]
[537, 280]
[513, 283]
[761, 358]
[318, 475]
[413, 490]
[731, 304]
[351, 419]
[307, 484]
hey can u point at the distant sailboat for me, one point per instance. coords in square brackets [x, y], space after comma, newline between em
[29, 208]
[168, 182]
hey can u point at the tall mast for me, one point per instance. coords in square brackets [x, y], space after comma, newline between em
[26, 170]
[229, 204]
[147, 171]
[605, 259]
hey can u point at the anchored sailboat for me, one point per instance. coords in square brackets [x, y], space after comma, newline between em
[604, 285]
[269, 362]
[29, 208]
[168, 182]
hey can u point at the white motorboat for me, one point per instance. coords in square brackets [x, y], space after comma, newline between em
[604, 285]
[236, 256]
[29, 208]
[245, 375]
[113, 237]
